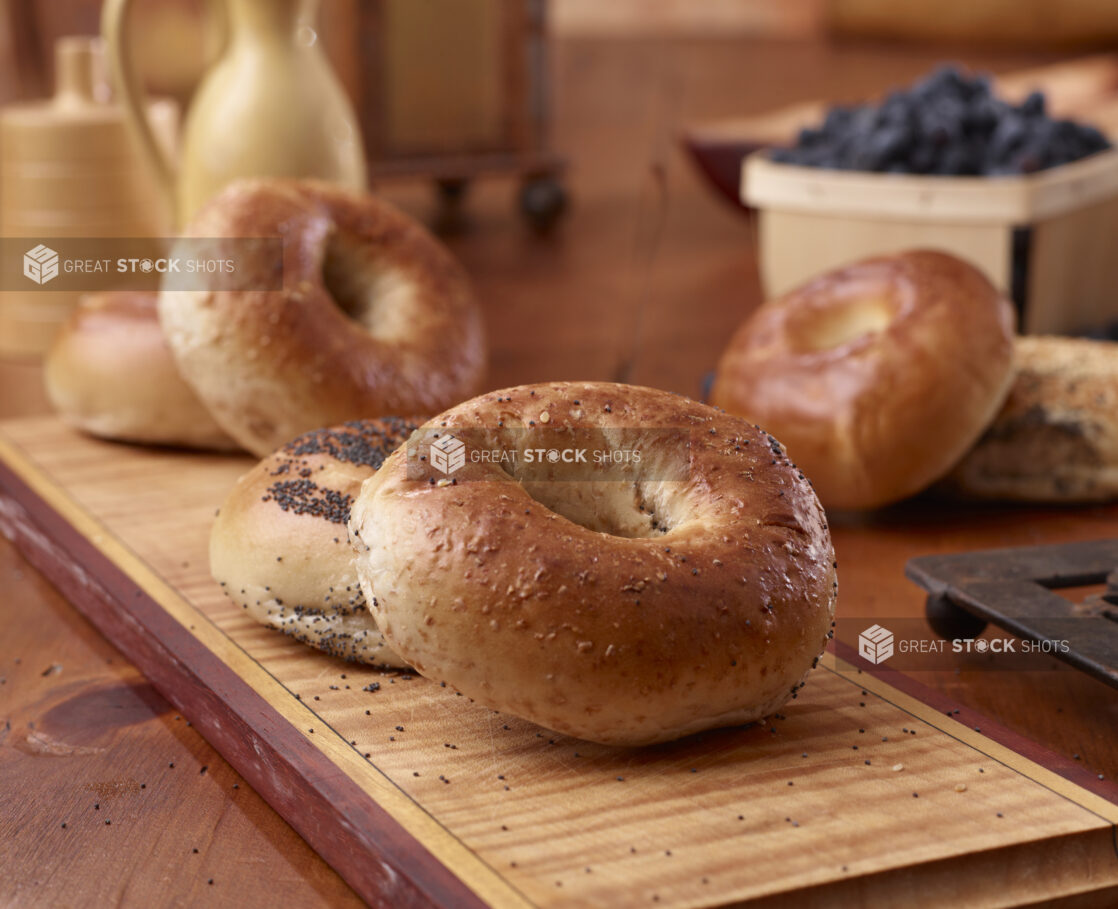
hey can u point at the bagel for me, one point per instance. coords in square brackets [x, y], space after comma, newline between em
[692, 587]
[878, 377]
[279, 547]
[374, 317]
[1056, 437]
[109, 373]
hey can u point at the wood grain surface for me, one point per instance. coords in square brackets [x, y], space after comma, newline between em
[643, 235]
[852, 780]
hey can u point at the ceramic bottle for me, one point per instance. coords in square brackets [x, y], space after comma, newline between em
[270, 106]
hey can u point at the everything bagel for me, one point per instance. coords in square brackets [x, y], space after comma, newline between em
[689, 588]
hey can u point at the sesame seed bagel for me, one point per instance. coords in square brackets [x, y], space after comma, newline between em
[691, 587]
[109, 373]
[878, 376]
[374, 316]
[279, 546]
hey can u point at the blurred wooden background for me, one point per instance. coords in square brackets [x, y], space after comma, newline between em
[175, 49]
[777, 18]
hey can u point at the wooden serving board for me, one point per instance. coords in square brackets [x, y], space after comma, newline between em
[858, 793]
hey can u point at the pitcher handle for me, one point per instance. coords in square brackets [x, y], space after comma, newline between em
[116, 31]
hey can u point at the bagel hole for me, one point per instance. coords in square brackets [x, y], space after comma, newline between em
[375, 297]
[616, 508]
[838, 325]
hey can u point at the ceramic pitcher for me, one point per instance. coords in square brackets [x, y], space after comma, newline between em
[270, 105]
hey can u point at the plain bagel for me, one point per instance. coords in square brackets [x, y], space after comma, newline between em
[279, 547]
[878, 377]
[374, 316]
[109, 372]
[690, 589]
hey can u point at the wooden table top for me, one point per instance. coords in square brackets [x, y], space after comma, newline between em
[642, 230]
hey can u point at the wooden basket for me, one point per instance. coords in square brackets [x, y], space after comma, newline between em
[812, 220]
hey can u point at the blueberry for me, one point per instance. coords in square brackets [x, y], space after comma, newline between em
[836, 121]
[982, 115]
[979, 87]
[945, 81]
[882, 148]
[1093, 140]
[947, 123]
[1008, 135]
[809, 136]
[1033, 105]
[952, 162]
[922, 158]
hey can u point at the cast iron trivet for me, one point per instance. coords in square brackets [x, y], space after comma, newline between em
[1015, 589]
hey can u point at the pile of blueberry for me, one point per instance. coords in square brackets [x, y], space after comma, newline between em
[948, 123]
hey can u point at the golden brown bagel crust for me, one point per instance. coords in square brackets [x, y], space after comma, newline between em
[111, 374]
[273, 364]
[279, 547]
[878, 377]
[712, 616]
[1056, 437]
